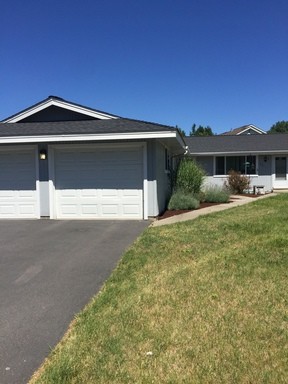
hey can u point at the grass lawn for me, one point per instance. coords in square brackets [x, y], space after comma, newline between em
[203, 301]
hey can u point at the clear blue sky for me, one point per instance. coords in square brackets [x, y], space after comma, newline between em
[220, 63]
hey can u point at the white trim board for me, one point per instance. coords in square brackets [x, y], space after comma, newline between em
[87, 137]
[61, 104]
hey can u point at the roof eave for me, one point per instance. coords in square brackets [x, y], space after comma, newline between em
[246, 152]
[90, 137]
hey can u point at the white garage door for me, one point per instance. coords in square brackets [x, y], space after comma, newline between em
[99, 182]
[18, 197]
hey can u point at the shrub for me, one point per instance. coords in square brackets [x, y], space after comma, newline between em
[216, 194]
[237, 183]
[189, 176]
[183, 200]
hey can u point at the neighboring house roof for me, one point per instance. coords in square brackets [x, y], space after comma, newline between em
[58, 102]
[245, 130]
[233, 144]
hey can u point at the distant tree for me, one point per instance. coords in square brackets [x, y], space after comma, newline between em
[200, 131]
[279, 127]
[183, 133]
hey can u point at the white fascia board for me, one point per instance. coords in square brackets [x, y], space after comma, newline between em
[181, 140]
[238, 153]
[61, 104]
[89, 137]
[258, 130]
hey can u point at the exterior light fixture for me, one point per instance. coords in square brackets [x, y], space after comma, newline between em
[265, 158]
[43, 154]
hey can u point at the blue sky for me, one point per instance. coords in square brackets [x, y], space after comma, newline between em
[220, 63]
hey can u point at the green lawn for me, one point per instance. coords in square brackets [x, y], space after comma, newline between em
[203, 301]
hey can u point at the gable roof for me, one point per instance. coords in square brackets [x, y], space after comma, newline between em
[91, 130]
[107, 126]
[233, 144]
[245, 130]
[55, 101]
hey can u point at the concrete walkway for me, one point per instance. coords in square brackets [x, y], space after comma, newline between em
[236, 201]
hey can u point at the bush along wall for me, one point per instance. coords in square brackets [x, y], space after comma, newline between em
[187, 183]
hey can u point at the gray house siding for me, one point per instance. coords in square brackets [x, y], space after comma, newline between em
[206, 163]
[163, 178]
[158, 179]
[263, 176]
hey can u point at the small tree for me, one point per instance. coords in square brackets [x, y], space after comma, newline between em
[201, 131]
[189, 176]
[237, 183]
[279, 127]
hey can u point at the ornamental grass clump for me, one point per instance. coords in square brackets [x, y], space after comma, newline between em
[189, 176]
[216, 194]
[183, 200]
[187, 184]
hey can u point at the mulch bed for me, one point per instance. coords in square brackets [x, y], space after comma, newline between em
[175, 212]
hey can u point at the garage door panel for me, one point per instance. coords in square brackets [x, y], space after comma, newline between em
[99, 183]
[69, 209]
[7, 210]
[110, 209]
[26, 209]
[89, 209]
[109, 193]
[26, 194]
[6, 195]
[18, 196]
[131, 209]
[89, 193]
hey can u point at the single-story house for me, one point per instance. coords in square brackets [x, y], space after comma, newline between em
[263, 157]
[62, 160]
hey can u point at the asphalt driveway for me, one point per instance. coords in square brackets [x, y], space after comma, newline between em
[48, 271]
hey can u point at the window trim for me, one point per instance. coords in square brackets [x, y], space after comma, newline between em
[167, 167]
[226, 174]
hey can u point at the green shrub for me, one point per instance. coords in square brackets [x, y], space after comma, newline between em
[237, 183]
[189, 176]
[216, 194]
[183, 200]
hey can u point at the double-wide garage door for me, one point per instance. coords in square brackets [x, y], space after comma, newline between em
[98, 182]
[18, 195]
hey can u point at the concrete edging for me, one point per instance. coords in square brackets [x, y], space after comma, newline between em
[238, 200]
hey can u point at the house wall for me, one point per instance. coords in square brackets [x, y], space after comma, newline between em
[263, 177]
[158, 179]
[44, 183]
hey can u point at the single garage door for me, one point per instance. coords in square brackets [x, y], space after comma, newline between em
[99, 182]
[18, 197]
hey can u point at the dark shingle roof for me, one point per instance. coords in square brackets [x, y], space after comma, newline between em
[237, 143]
[80, 127]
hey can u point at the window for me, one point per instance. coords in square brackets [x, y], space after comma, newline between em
[167, 160]
[246, 165]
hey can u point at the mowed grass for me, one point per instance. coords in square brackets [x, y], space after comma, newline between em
[203, 301]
